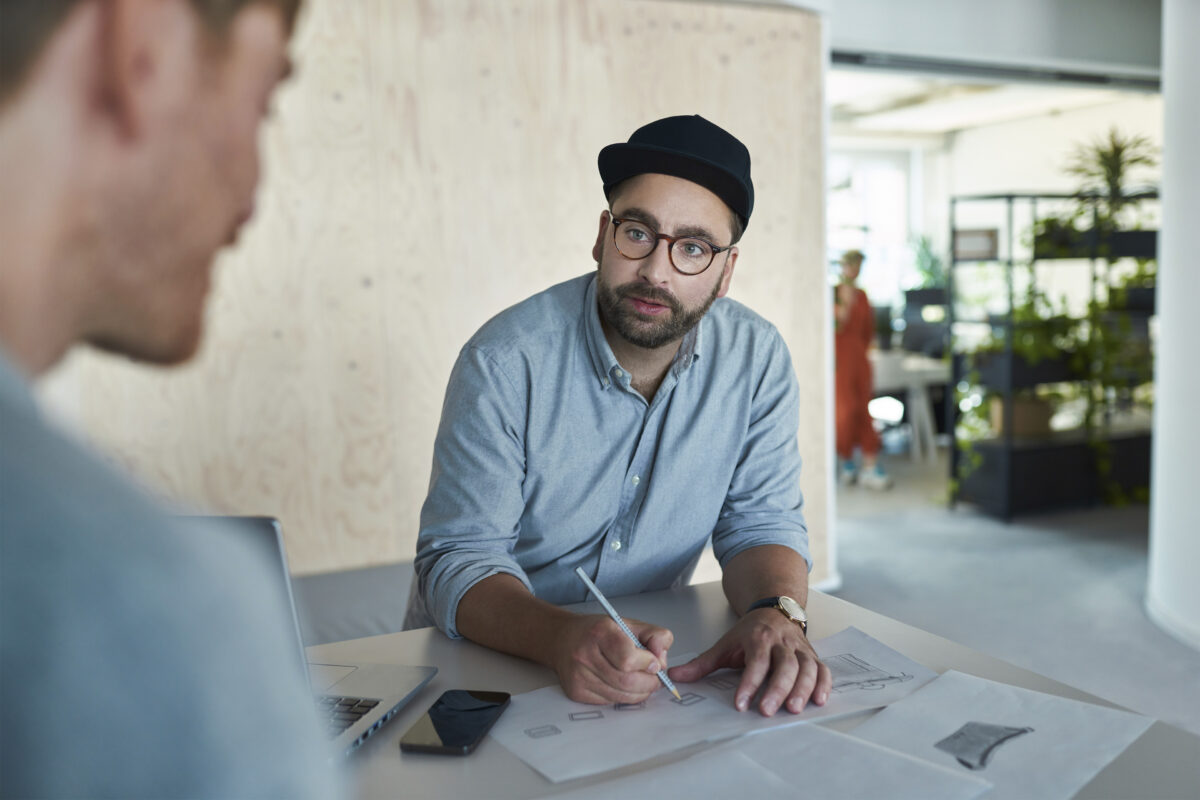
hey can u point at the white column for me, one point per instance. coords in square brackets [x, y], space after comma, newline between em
[1173, 592]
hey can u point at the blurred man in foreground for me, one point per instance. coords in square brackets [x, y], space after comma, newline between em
[136, 660]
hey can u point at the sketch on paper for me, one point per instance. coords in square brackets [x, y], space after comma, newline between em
[973, 744]
[723, 681]
[579, 716]
[630, 706]
[542, 731]
[852, 672]
[611, 738]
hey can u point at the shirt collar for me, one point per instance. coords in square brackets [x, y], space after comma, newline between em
[689, 348]
[605, 363]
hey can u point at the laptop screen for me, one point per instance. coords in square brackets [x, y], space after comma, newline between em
[266, 535]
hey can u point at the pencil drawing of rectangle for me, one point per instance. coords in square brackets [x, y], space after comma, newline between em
[973, 744]
[723, 682]
[629, 706]
[688, 699]
[579, 716]
[542, 731]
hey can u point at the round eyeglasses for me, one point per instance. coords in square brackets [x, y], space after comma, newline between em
[688, 254]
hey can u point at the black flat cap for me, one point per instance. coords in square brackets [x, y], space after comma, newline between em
[688, 147]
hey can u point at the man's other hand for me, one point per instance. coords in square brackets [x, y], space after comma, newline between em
[597, 663]
[774, 655]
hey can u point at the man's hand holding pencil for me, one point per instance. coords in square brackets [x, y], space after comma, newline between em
[599, 664]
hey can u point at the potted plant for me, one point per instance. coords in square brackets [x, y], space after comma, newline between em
[1103, 223]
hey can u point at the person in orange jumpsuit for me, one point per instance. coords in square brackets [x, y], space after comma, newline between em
[855, 329]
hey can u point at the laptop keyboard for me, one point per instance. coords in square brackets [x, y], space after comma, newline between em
[342, 712]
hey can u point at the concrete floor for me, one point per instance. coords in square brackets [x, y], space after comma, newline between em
[1061, 594]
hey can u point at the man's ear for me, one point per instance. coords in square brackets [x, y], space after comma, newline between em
[731, 256]
[134, 35]
[598, 247]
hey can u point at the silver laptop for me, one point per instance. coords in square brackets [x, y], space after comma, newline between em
[353, 699]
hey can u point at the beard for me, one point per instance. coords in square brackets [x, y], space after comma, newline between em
[644, 330]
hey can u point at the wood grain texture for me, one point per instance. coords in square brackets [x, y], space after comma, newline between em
[432, 164]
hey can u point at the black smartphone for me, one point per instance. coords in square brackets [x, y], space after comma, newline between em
[456, 723]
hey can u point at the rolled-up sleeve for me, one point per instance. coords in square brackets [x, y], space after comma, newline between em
[764, 503]
[471, 516]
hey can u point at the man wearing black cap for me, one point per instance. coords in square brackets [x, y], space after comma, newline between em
[616, 422]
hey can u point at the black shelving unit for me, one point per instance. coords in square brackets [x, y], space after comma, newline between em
[1015, 474]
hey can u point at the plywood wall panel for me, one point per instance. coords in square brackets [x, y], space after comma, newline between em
[432, 164]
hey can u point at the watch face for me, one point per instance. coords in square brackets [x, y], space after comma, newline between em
[793, 609]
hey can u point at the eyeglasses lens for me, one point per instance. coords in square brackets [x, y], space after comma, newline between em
[635, 240]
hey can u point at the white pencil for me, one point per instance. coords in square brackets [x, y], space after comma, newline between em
[612, 612]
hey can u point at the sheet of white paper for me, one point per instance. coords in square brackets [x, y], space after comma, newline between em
[1028, 744]
[804, 760]
[728, 775]
[564, 740]
[821, 764]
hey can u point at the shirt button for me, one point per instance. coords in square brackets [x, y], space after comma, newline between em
[616, 545]
[618, 373]
[636, 480]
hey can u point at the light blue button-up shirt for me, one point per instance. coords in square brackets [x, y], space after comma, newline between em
[547, 459]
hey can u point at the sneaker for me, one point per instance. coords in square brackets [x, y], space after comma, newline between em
[876, 479]
[848, 473]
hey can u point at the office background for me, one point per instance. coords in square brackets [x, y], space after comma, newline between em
[379, 247]
[432, 164]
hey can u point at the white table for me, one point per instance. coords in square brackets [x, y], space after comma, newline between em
[1164, 762]
[898, 370]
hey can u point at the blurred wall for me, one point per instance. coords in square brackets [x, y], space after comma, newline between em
[431, 164]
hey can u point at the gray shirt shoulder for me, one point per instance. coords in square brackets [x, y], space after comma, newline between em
[535, 325]
[138, 658]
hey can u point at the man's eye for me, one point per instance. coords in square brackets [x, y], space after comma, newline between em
[637, 234]
[693, 249]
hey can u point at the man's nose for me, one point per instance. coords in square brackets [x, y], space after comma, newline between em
[656, 267]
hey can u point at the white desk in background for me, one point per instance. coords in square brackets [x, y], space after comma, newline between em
[1164, 762]
[899, 370]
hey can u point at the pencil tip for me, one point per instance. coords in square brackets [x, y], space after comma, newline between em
[676, 693]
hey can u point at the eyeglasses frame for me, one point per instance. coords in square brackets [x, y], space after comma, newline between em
[670, 240]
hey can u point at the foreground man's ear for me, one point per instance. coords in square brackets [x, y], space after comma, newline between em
[135, 40]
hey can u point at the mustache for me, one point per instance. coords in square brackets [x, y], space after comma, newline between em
[649, 294]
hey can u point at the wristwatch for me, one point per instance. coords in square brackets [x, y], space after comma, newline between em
[788, 607]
